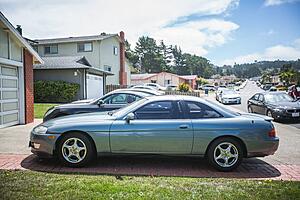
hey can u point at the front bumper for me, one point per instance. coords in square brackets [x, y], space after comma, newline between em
[231, 100]
[265, 148]
[43, 145]
[284, 115]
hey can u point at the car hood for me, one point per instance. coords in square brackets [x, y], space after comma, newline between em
[80, 119]
[286, 104]
[83, 101]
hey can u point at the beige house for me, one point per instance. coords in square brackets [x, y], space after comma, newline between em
[163, 79]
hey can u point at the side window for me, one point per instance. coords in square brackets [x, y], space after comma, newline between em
[156, 110]
[132, 98]
[116, 99]
[255, 97]
[261, 98]
[197, 110]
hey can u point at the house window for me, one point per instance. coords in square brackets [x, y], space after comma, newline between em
[115, 49]
[85, 47]
[51, 49]
[107, 68]
[35, 48]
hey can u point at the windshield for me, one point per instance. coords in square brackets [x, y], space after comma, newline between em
[229, 92]
[275, 98]
[129, 107]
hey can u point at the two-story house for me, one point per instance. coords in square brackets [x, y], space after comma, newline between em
[90, 61]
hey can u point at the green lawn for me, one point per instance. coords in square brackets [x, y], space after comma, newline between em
[41, 108]
[36, 185]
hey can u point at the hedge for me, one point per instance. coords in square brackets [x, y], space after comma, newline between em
[55, 91]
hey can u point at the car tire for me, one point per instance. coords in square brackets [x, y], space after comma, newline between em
[75, 150]
[225, 154]
[250, 110]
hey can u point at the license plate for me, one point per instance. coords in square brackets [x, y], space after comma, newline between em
[295, 114]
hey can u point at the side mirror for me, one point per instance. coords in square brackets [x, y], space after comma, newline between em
[100, 102]
[129, 117]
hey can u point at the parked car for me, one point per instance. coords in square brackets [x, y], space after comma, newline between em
[272, 89]
[111, 101]
[168, 125]
[209, 87]
[266, 86]
[144, 87]
[219, 92]
[277, 105]
[151, 92]
[156, 86]
[229, 96]
[172, 87]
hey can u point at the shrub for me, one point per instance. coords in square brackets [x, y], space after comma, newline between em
[55, 91]
[184, 87]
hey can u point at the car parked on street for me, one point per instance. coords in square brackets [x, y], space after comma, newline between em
[229, 97]
[111, 101]
[166, 125]
[219, 92]
[277, 105]
[156, 86]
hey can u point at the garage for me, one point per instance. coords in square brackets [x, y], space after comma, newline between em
[16, 76]
[94, 86]
[9, 98]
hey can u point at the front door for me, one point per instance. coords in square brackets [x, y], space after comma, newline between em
[158, 128]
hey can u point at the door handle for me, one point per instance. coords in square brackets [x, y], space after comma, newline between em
[183, 126]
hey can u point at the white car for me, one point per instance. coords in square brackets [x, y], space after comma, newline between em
[155, 85]
[230, 96]
[219, 92]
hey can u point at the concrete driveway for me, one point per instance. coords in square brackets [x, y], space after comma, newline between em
[14, 140]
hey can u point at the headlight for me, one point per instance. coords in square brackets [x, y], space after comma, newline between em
[278, 109]
[40, 130]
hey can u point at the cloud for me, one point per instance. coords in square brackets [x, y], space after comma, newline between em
[277, 52]
[197, 36]
[278, 2]
[55, 18]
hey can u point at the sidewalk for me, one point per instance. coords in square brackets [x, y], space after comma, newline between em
[154, 166]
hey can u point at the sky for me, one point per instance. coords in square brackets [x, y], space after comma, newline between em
[224, 31]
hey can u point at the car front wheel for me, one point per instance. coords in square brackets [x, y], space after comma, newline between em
[225, 154]
[75, 150]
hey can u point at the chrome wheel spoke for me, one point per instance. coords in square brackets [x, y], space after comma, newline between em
[226, 154]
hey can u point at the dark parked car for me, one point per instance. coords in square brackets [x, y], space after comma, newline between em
[111, 101]
[278, 105]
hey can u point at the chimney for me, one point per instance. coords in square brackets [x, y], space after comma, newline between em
[123, 74]
[19, 29]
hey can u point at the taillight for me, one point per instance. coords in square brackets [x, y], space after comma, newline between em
[272, 133]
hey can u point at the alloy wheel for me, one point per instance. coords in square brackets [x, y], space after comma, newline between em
[226, 154]
[74, 150]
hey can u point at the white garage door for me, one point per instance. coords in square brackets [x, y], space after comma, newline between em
[9, 96]
[94, 86]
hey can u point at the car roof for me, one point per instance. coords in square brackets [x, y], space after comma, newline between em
[153, 92]
[143, 94]
[267, 92]
[174, 98]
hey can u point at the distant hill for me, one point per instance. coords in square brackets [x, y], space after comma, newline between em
[249, 70]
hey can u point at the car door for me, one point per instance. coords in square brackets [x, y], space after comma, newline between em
[158, 127]
[260, 107]
[253, 103]
[207, 124]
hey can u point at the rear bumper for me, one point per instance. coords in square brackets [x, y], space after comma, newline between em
[43, 145]
[266, 148]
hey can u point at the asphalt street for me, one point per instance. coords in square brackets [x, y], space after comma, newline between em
[289, 134]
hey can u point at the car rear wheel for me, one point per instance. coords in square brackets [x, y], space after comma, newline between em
[225, 154]
[75, 150]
